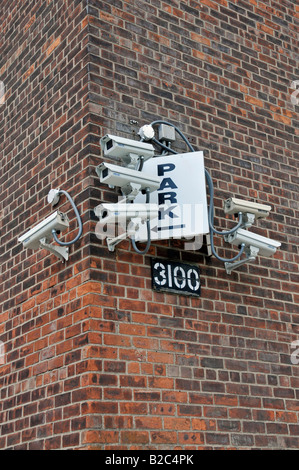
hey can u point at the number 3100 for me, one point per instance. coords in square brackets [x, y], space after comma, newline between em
[177, 277]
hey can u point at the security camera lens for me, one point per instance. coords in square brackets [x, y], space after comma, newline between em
[105, 172]
[109, 144]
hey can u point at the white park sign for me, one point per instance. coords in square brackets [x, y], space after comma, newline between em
[181, 197]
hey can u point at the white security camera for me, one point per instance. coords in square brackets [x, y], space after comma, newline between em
[233, 206]
[130, 181]
[263, 246]
[129, 216]
[127, 150]
[40, 235]
[120, 212]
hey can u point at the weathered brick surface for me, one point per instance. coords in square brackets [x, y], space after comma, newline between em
[93, 357]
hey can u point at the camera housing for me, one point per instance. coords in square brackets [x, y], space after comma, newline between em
[56, 221]
[120, 212]
[233, 206]
[130, 181]
[128, 216]
[127, 150]
[264, 246]
[40, 235]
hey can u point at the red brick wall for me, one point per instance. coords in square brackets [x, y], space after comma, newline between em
[44, 144]
[94, 358]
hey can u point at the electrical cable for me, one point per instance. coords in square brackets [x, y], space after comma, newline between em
[164, 147]
[211, 224]
[226, 260]
[61, 191]
[141, 159]
[148, 244]
[211, 210]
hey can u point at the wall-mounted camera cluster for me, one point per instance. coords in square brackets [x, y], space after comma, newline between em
[129, 176]
[131, 181]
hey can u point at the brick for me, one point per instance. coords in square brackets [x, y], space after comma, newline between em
[163, 437]
[92, 437]
[217, 439]
[282, 119]
[194, 438]
[161, 382]
[148, 422]
[285, 416]
[28, 72]
[177, 423]
[53, 46]
[160, 358]
[254, 101]
[133, 408]
[203, 424]
[198, 38]
[134, 437]
[242, 440]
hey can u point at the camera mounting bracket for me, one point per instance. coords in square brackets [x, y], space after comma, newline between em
[60, 251]
[251, 254]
